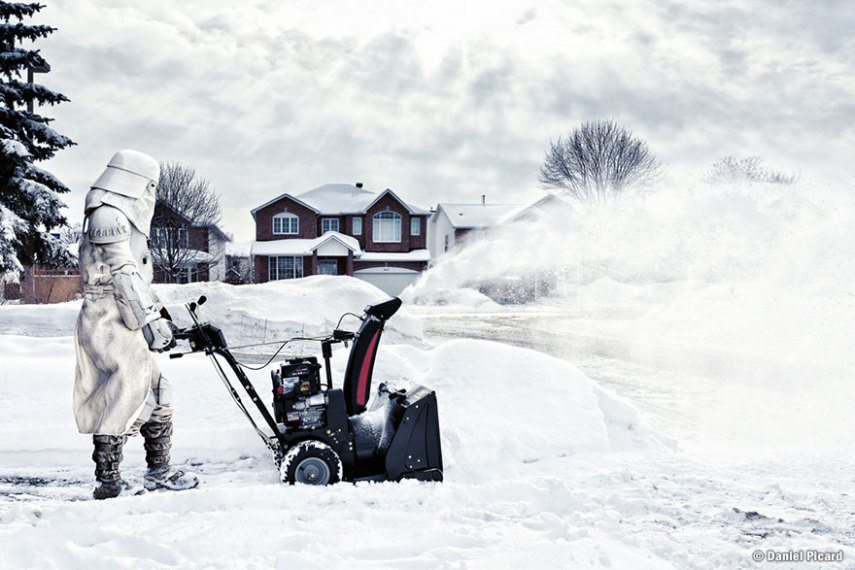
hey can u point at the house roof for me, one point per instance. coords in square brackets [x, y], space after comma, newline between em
[539, 208]
[339, 199]
[466, 216]
[239, 249]
[279, 197]
[415, 255]
[410, 208]
[303, 246]
[214, 228]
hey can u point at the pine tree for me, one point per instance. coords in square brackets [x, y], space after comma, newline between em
[29, 201]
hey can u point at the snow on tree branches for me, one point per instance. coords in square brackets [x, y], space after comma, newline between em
[29, 201]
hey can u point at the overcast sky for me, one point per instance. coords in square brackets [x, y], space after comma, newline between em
[441, 100]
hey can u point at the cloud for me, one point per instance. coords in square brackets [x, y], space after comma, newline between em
[439, 100]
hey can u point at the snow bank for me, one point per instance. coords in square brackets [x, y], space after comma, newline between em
[500, 407]
[246, 313]
[282, 309]
[503, 408]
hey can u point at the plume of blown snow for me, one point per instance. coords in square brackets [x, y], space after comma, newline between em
[797, 235]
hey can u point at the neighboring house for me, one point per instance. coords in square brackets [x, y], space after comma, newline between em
[550, 207]
[238, 263]
[36, 284]
[193, 253]
[451, 223]
[340, 229]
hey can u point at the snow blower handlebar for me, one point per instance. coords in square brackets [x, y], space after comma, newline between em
[201, 336]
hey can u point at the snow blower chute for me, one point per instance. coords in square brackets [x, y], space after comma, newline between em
[322, 434]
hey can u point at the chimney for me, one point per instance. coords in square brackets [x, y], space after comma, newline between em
[359, 184]
[483, 199]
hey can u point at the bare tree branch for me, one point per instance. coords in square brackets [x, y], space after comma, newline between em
[598, 162]
[186, 202]
[728, 170]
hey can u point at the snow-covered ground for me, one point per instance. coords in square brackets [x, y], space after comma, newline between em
[493, 441]
[686, 405]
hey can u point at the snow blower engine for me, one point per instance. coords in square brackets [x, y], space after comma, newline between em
[322, 434]
[297, 398]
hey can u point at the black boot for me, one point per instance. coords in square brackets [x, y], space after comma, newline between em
[158, 442]
[107, 457]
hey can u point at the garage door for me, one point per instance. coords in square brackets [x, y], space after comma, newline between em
[392, 280]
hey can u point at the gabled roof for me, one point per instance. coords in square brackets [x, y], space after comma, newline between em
[279, 197]
[212, 227]
[470, 216]
[340, 199]
[349, 242]
[303, 246]
[411, 209]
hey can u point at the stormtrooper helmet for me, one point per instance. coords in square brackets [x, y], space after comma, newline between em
[129, 183]
[129, 173]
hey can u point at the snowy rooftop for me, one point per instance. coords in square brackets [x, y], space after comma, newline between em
[303, 246]
[478, 215]
[308, 246]
[415, 255]
[338, 199]
[239, 249]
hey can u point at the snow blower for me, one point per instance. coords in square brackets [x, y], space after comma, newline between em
[320, 434]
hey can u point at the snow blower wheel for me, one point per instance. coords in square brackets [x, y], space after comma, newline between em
[311, 463]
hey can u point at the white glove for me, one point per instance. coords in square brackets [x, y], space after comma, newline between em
[158, 335]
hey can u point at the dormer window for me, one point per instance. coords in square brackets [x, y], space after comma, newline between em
[286, 224]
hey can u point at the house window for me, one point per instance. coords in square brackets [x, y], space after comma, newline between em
[187, 275]
[286, 223]
[446, 242]
[357, 226]
[284, 267]
[327, 267]
[158, 237]
[329, 225]
[387, 227]
[415, 226]
[164, 238]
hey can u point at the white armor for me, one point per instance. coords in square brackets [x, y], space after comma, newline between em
[110, 230]
[115, 370]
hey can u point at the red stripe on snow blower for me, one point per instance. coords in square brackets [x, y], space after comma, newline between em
[361, 396]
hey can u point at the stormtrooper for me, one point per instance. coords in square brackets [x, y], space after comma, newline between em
[118, 388]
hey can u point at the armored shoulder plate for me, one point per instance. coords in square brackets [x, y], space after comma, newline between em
[108, 225]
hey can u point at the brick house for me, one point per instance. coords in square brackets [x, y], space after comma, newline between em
[341, 229]
[195, 253]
